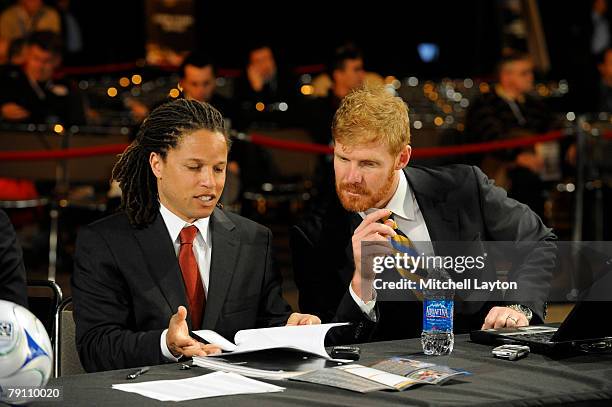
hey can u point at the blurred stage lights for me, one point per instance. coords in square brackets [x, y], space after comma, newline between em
[124, 82]
[566, 187]
[259, 106]
[174, 93]
[112, 91]
[307, 90]
[282, 106]
[58, 128]
[570, 116]
[136, 79]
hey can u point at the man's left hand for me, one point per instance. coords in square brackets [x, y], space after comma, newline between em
[504, 317]
[303, 319]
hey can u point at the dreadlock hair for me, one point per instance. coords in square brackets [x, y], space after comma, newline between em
[159, 133]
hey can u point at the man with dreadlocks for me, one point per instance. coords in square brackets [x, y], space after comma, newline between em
[172, 261]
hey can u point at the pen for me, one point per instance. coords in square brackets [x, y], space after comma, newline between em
[137, 373]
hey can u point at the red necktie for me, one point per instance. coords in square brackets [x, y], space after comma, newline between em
[191, 276]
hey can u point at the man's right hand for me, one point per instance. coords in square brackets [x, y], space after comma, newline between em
[180, 343]
[12, 111]
[370, 230]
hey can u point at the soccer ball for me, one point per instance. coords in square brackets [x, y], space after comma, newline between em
[25, 350]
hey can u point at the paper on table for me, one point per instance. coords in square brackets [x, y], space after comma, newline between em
[388, 379]
[208, 385]
[305, 338]
[219, 365]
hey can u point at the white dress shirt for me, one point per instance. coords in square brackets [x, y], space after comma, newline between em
[409, 219]
[202, 248]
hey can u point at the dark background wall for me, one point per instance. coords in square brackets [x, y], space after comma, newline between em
[467, 32]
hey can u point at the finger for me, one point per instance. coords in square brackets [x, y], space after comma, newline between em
[184, 342]
[511, 321]
[294, 319]
[372, 218]
[391, 223]
[521, 320]
[384, 230]
[501, 321]
[193, 350]
[310, 320]
[211, 349]
[489, 321]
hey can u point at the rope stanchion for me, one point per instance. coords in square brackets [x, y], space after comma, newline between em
[77, 152]
[428, 152]
[299, 146]
[289, 145]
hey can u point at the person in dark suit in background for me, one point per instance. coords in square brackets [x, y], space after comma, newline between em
[508, 111]
[12, 271]
[31, 94]
[130, 291]
[372, 148]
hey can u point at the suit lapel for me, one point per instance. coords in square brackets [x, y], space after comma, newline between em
[225, 251]
[158, 249]
[440, 213]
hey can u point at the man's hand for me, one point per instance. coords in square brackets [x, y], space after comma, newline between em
[500, 317]
[12, 111]
[303, 319]
[180, 343]
[370, 230]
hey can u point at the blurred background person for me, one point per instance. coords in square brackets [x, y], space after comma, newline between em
[30, 94]
[24, 18]
[198, 81]
[604, 67]
[510, 111]
[261, 90]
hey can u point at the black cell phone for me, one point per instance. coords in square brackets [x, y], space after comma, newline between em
[346, 352]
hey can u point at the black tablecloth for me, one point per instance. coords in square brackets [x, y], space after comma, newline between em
[535, 380]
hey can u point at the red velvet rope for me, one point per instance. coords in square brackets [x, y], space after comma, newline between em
[426, 152]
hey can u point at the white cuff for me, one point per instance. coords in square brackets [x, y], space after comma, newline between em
[164, 348]
[366, 307]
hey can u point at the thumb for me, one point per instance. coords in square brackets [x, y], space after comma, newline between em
[180, 316]
[181, 313]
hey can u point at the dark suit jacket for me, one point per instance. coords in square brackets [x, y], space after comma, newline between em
[458, 203]
[127, 283]
[12, 272]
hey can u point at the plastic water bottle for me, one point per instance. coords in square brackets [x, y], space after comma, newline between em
[437, 337]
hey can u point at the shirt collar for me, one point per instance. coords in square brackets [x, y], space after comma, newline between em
[174, 224]
[401, 203]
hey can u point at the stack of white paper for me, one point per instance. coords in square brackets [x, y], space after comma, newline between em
[208, 385]
[304, 338]
[221, 365]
